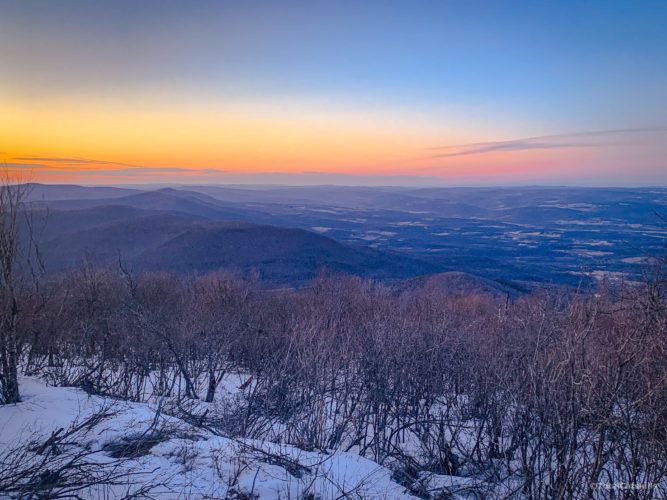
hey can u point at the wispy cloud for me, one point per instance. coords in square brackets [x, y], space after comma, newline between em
[67, 165]
[57, 159]
[556, 141]
[74, 161]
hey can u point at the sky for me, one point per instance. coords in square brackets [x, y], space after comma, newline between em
[346, 92]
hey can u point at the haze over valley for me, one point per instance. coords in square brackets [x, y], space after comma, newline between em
[522, 237]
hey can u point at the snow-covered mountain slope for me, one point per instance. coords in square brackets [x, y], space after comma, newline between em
[64, 439]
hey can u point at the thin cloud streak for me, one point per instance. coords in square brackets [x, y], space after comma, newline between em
[74, 161]
[135, 170]
[539, 142]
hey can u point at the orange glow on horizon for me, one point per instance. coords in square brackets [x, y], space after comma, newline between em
[119, 143]
[234, 140]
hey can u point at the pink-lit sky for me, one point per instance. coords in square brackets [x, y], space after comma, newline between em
[405, 93]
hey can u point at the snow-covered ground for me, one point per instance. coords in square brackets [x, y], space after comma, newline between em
[182, 460]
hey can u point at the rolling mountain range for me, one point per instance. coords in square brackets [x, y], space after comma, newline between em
[519, 237]
[184, 232]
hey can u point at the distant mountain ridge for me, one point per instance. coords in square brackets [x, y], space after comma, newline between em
[54, 192]
[542, 236]
[182, 233]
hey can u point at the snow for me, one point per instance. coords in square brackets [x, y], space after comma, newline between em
[191, 462]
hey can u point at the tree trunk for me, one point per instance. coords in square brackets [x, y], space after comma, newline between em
[212, 385]
[9, 379]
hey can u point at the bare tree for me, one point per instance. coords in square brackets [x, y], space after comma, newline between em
[13, 193]
[546, 396]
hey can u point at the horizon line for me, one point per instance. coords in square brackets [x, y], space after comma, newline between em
[164, 185]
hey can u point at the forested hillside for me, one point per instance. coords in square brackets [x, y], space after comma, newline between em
[544, 396]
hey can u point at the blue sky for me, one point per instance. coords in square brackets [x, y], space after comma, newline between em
[437, 73]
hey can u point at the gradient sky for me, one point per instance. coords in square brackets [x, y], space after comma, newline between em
[413, 92]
